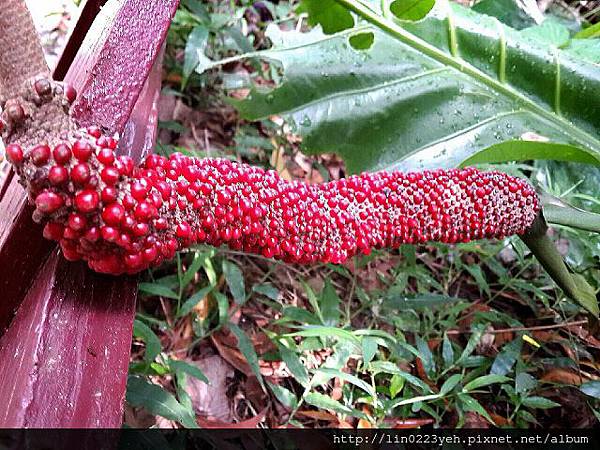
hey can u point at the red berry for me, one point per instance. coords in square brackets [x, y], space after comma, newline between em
[48, 202]
[42, 87]
[69, 250]
[141, 229]
[126, 165]
[106, 142]
[124, 241]
[62, 154]
[143, 211]
[53, 231]
[109, 194]
[134, 261]
[86, 201]
[139, 191]
[80, 173]
[70, 234]
[77, 221]
[223, 197]
[113, 214]
[110, 175]
[106, 156]
[149, 254]
[92, 235]
[183, 231]
[94, 131]
[109, 234]
[58, 175]
[14, 153]
[15, 112]
[40, 155]
[128, 202]
[82, 150]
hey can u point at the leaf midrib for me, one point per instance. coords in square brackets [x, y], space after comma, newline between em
[464, 67]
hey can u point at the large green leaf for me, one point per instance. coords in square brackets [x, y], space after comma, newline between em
[518, 14]
[434, 95]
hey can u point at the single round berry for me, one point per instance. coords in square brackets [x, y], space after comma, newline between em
[80, 173]
[183, 231]
[113, 214]
[141, 229]
[143, 211]
[110, 175]
[40, 155]
[109, 234]
[48, 202]
[15, 112]
[62, 154]
[58, 175]
[149, 254]
[53, 231]
[106, 156]
[42, 87]
[134, 261]
[139, 191]
[77, 222]
[94, 131]
[109, 194]
[82, 150]
[92, 234]
[86, 201]
[14, 153]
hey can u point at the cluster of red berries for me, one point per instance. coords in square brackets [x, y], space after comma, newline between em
[121, 218]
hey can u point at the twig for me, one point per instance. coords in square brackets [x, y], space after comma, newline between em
[536, 328]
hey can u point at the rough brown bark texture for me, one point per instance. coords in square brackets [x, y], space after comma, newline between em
[21, 62]
[21, 56]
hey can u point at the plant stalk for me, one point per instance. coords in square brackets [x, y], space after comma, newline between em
[545, 251]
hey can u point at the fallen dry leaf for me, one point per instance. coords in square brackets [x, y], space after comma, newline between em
[546, 336]
[216, 423]
[563, 376]
[226, 345]
[211, 400]
[319, 415]
[409, 423]
[500, 420]
[364, 424]
[182, 336]
[165, 424]
[344, 425]
[474, 420]
[137, 417]
[227, 348]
